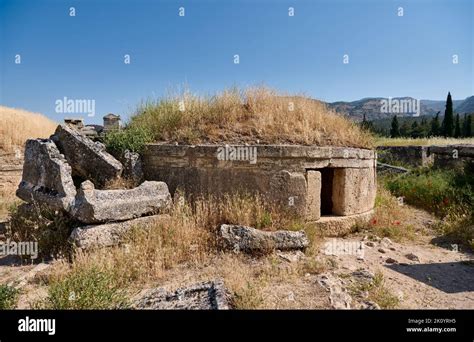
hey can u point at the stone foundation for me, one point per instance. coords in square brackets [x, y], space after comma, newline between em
[311, 182]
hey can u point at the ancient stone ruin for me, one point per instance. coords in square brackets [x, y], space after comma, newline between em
[67, 172]
[331, 186]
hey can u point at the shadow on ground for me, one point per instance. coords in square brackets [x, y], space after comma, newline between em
[450, 277]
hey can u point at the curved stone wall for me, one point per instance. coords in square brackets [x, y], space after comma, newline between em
[309, 181]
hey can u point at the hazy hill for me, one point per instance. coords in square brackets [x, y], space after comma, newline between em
[372, 107]
[466, 106]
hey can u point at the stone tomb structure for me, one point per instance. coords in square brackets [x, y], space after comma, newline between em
[332, 186]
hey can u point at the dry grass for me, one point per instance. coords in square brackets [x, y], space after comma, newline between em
[422, 141]
[16, 126]
[7, 200]
[254, 115]
[185, 249]
[393, 218]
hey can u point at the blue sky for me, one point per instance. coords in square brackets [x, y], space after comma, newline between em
[82, 57]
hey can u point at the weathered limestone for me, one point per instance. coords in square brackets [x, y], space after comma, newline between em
[98, 206]
[313, 197]
[354, 191]
[405, 155]
[89, 160]
[251, 240]
[46, 176]
[132, 166]
[294, 178]
[341, 225]
[111, 234]
[210, 295]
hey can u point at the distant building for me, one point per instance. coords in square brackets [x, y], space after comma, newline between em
[112, 122]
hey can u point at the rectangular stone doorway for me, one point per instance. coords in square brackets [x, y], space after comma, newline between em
[319, 194]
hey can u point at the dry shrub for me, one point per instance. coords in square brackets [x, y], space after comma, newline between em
[247, 116]
[16, 126]
[120, 183]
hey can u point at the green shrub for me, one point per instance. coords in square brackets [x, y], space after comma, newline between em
[49, 228]
[132, 138]
[8, 297]
[449, 194]
[85, 288]
[437, 191]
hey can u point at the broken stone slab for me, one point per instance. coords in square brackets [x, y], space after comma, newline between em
[46, 176]
[111, 234]
[251, 240]
[88, 159]
[211, 295]
[99, 206]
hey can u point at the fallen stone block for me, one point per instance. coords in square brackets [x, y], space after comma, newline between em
[251, 240]
[99, 206]
[46, 176]
[111, 234]
[88, 159]
[210, 295]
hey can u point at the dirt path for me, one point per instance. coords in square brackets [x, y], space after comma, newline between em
[421, 276]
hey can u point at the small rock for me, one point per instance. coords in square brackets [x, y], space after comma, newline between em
[412, 257]
[251, 240]
[291, 256]
[391, 261]
[370, 244]
[386, 242]
[369, 305]
[202, 296]
[381, 250]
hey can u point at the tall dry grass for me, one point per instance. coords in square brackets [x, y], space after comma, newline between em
[185, 247]
[247, 116]
[17, 125]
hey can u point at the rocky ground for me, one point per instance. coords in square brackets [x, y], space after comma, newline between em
[412, 274]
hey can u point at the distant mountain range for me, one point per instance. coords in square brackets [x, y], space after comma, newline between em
[374, 110]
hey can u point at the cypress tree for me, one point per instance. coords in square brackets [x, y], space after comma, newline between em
[466, 126]
[395, 130]
[435, 125]
[448, 121]
[457, 128]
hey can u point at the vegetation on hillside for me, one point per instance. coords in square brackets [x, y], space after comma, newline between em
[451, 125]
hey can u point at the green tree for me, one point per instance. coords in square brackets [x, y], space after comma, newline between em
[435, 128]
[457, 127]
[415, 130]
[405, 130]
[395, 130]
[448, 121]
[466, 126]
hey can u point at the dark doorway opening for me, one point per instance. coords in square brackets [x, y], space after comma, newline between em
[327, 176]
